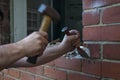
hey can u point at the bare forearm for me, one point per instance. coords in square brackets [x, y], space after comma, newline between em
[32, 45]
[68, 44]
[9, 54]
[51, 53]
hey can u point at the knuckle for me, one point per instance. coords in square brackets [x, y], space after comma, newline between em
[45, 35]
[35, 32]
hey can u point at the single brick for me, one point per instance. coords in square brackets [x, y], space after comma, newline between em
[54, 73]
[91, 17]
[91, 67]
[111, 70]
[87, 4]
[111, 15]
[107, 33]
[73, 64]
[111, 51]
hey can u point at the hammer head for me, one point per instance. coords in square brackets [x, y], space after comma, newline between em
[47, 10]
[64, 29]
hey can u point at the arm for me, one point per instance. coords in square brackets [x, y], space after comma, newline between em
[9, 54]
[32, 45]
[52, 52]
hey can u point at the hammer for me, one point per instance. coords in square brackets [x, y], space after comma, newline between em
[81, 51]
[48, 14]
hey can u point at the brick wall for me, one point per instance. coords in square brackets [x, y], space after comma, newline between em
[101, 34]
[101, 20]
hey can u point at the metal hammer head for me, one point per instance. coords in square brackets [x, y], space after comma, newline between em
[64, 29]
[47, 10]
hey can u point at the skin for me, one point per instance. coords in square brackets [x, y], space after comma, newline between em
[51, 53]
[15, 54]
[32, 45]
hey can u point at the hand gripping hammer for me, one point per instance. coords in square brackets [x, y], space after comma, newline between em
[48, 14]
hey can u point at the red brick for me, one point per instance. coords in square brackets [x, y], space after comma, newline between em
[94, 50]
[39, 78]
[91, 17]
[68, 64]
[91, 67]
[36, 70]
[75, 76]
[7, 78]
[111, 15]
[111, 51]
[14, 73]
[1, 76]
[92, 33]
[55, 74]
[98, 3]
[107, 33]
[5, 71]
[50, 63]
[111, 70]
[23, 69]
[25, 76]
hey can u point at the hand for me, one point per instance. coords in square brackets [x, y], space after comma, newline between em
[34, 44]
[70, 42]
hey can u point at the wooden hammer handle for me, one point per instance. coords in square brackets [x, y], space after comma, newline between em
[44, 27]
[45, 23]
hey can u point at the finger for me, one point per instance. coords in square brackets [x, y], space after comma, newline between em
[77, 43]
[72, 39]
[44, 41]
[44, 45]
[74, 32]
[44, 34]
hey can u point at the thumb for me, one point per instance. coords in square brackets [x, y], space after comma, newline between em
[73, 37]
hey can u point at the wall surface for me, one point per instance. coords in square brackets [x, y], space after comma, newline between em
[101, 34]
[101, 20]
